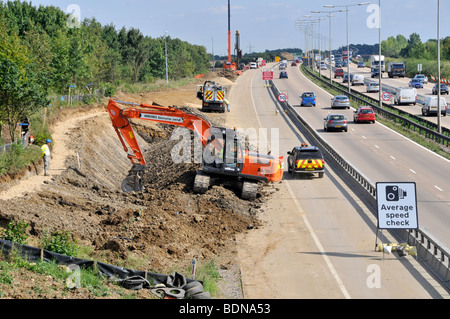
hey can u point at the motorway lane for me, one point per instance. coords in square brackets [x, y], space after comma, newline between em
[382, 155]
[319, 238]
[400, 82]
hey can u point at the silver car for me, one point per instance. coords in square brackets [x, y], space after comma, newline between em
[373, 87]
[336, 122]
[340, 101]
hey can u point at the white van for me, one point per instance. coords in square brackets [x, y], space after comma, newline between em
[358, 79]
[405, 95]
[430, 106]
[253, 65]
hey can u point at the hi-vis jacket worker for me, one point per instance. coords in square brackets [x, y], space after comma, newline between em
[46, 155]
[227, 103]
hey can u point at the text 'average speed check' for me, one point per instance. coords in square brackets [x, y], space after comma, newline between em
[397, 205]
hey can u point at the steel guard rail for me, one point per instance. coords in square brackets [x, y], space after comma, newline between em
[433, 254]
[419, 125]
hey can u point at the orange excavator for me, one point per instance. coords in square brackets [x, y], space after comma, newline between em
[224, 159]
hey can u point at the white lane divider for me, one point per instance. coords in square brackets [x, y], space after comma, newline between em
[308, 225]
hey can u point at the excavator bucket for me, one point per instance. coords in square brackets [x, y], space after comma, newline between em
[133, 182]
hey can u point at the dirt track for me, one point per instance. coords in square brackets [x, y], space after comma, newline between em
[166, 224]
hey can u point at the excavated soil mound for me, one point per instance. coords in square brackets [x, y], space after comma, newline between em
[165, 224]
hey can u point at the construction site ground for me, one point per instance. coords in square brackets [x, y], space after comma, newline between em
[166, 225]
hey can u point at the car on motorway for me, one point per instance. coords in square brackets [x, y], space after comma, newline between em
[283, 75]
[336, 122]
[253, 65]
[282, 66]
[294, 63]
[422, 78]
[372, 87]
[345, 78]
[364, 114]
[358, 79]
[308, 98]
[338, 73]
[338, 64]
[444, 89]
[340, 101]
[306, 159]
[361, 64]
[405, 95]
[323, 66]
[375, 73]
[416, 83]
[430, 106]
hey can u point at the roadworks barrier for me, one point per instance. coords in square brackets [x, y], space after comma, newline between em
[174, 286]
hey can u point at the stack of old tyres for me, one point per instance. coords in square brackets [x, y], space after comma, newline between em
[194, 290]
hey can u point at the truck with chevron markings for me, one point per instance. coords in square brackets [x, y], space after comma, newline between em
[213, 96]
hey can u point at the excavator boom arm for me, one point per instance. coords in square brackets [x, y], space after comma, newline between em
[168, 115]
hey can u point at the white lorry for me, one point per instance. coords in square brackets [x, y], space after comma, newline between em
[375, 62]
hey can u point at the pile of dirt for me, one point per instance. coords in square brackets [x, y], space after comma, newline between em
[166, 224]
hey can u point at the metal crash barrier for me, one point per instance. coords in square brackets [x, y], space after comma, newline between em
[434, 255]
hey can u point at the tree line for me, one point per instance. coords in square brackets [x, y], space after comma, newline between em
[41, 52]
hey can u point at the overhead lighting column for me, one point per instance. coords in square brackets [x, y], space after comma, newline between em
[348, 46]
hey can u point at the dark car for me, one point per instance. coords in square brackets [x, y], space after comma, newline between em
[376, 73]
[308, 98]
[338, 73]
[345, 79]
[416, 83]
[364, 114]
[283, 74]
[361, 64]
[294, 63]
[306, 159]
[336, 122]
[444, 89]
[338, 64]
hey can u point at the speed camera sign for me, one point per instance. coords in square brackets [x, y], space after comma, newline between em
[397, 205]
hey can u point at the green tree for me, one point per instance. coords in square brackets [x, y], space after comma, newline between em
[415, 47]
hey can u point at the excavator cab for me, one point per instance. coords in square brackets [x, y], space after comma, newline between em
[224, 153]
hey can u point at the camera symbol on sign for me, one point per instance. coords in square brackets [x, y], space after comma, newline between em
[394, 193]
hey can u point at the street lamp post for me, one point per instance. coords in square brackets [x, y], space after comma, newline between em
[309, 23]
[348, 46]
[439, 73]
[167, 69]
[380, 86]
[319, 42]
[329, 16]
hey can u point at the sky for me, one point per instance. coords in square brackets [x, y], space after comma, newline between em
[264, 24]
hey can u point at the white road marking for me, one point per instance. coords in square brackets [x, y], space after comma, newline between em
[392, 157]
[319, 245]
[377, 146]
[308, 225]
[438, 188]
[413, 171]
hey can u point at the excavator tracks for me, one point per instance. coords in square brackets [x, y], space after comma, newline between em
[201, 182]
[249, 190]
